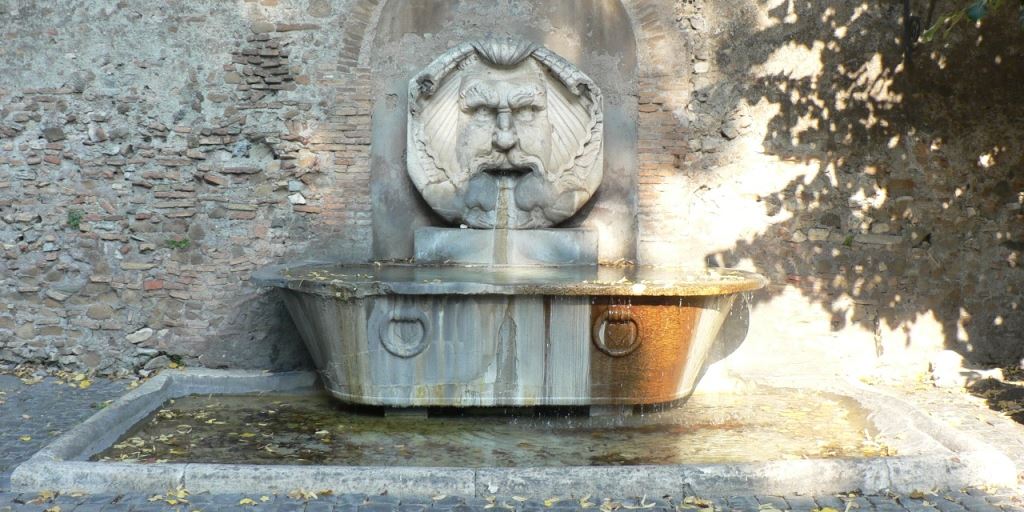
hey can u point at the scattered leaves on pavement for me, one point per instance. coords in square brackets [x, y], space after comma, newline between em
[44, 496]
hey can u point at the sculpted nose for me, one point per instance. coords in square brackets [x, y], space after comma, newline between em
[504, 137]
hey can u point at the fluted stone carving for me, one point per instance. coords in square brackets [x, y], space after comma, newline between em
[504, 133]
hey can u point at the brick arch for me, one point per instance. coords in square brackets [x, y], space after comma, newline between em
[658, 42]
[664, 75]
[651, 21]
[362, 15]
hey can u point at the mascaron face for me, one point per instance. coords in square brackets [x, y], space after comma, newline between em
[504, 134]
[503, 125]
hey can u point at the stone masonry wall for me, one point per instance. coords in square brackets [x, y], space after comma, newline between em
[152, 155]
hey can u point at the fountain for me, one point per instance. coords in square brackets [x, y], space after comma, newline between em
[506, 304]
[503, 308]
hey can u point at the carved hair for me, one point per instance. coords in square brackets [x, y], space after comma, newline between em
[504, 52]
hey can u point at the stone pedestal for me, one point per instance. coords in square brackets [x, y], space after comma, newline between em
[506, 246]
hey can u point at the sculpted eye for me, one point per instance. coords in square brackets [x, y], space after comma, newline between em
[525, 114]
[476, 96]
[483, 113]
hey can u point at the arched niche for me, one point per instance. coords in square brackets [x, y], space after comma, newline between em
[595, 35]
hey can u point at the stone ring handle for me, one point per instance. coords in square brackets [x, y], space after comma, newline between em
[617, 315]
[405, 334]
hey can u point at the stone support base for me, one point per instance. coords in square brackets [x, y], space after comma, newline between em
[506, 246]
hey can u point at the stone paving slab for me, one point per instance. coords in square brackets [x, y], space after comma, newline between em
[53, 406]
[33, 415]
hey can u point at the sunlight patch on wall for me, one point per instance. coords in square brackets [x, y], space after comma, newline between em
[794, 61]
[773, 323]
[923, 333]
[741, 199]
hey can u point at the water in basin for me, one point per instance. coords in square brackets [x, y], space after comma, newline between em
[760, 425]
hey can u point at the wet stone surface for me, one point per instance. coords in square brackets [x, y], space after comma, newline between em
[51, 402]
[760, 425]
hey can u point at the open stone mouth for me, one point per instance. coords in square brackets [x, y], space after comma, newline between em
[508, 172]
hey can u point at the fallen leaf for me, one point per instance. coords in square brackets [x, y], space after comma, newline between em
[55, 508]
[246, 501]
[264, 499]
[44, 496]
[25, 438]
[302, 494]
[179, 492]
[917, 495]
[699, 502]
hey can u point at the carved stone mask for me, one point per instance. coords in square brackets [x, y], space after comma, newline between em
[506, 134]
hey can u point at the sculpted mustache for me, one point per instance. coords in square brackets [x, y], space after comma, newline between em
[514, 158]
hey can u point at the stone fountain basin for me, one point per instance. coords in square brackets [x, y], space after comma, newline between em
[928, 454]
[456, 335]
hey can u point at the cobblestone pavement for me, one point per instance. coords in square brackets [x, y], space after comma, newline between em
[31, 415]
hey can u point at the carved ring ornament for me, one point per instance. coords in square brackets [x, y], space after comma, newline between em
[504, 133]
[627, 338]
[406, 333]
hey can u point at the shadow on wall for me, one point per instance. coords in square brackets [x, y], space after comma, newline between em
[906, 217]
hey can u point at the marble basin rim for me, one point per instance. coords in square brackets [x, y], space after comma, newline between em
[414, 335]
[361, 280]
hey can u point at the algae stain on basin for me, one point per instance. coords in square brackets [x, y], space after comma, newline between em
[761, 425]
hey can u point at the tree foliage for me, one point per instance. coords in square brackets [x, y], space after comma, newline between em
[973, 11]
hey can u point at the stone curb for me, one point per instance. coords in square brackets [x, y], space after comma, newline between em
[955, 460]
[974, 459]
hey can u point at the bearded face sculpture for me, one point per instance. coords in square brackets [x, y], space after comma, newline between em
[503, 133]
